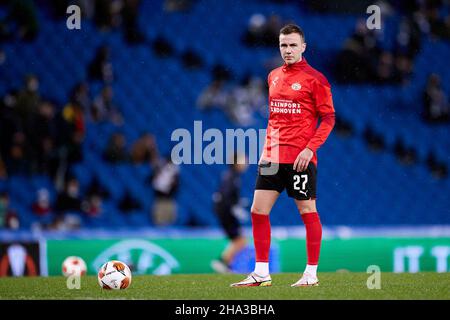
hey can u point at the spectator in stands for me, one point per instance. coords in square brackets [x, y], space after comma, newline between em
[95, 187]
[32, 132]
[27, 102]
[393, 69]
[162, 47]
[80, 94]
[18, 160]
[343, 127]
[213, 96]
[145, 150]
[116, 151]
[262, 31]
[107, 14]
[406, 155]
[385, 71]
[9, 123]
[221, 73]
[21, 21]
[356, 62]
[244, 100]
[403, 69]
[74, 131]
[436, 105]
[374, 140]
[129, 203]
[41, 207]
[93, 207]
[191, 59]
[238, 102]
[165, 181]
[65, 222]
[87, 8]
[8, 217]
[130, 12]
[101, 67]
[68, 206]
[255, 31]
[427, 16]
[4, 31]
[69, 200]
[26, 109]
[273, 26]
[363, 61]
[47, 130]
[439, 27]
[408, 39]
[438, 169]
[104, 108]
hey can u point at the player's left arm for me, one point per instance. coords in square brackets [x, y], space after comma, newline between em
[321, 91]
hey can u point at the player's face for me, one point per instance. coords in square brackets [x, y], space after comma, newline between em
[292, 47]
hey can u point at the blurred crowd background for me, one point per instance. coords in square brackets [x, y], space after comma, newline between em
[86, 115]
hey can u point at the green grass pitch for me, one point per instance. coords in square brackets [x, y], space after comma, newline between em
[212, 287]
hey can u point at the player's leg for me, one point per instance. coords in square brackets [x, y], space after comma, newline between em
[269, 185]
[313, 226]
[263, 202]
[232, 228]
[302, 187]
[234, 247]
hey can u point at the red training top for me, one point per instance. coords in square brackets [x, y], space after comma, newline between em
[298, 96]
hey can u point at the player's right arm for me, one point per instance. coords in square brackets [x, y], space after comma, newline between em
[321, 90]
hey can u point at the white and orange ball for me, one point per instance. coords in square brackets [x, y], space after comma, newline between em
[74, 266]
[114, 275]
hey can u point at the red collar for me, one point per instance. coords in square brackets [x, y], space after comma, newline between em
[296, 66]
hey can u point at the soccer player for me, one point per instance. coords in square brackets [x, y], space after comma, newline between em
[299, 96]
[227, 208]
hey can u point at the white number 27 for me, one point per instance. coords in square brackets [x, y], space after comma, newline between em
[298, 179]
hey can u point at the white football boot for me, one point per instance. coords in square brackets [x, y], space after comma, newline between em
[307, 280]
[253, 280]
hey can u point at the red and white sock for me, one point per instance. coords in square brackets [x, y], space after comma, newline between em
[313, 238]
[261, 238]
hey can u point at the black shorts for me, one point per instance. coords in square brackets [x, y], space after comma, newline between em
[299, 185]
[228, 221]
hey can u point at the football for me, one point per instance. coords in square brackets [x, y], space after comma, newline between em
[114, 275]
[74, 266]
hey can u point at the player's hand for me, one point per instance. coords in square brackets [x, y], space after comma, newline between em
[303, 159]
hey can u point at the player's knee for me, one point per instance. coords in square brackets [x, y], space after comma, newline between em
[260, 209]
[306, 207]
